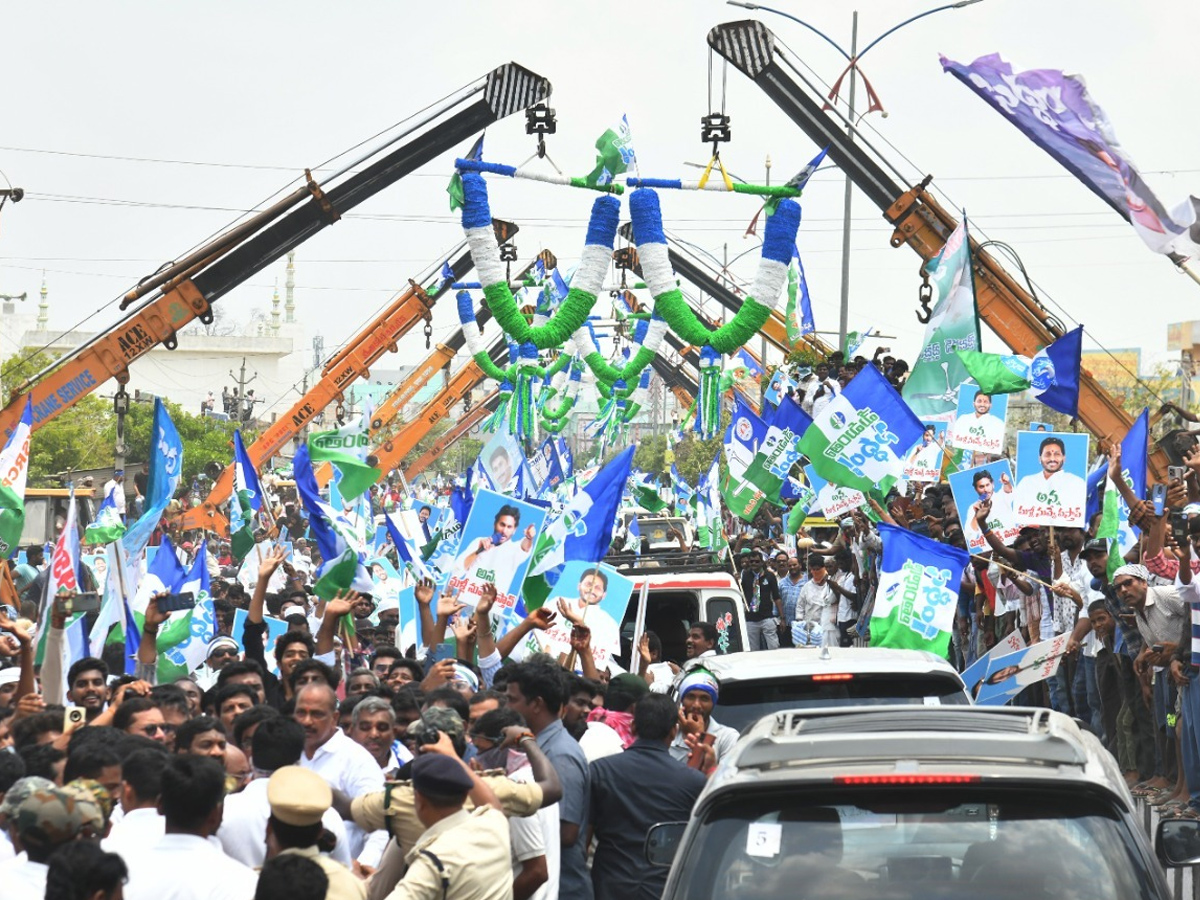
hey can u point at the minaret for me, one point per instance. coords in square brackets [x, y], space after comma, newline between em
[43, 316]
[275, 309]
[289, 286]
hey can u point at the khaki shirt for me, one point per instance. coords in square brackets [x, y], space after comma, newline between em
[474, 851]
[374, 811]
[343, 884]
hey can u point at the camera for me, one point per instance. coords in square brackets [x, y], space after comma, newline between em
[423, 734]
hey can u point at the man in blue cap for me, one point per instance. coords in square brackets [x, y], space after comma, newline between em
[461, 854]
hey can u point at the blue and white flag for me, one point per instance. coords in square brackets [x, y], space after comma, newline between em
[683, 490]
[861, 437]
[1054, 373]
[107, 526]
[779, 450]
[245, 502]
[409, 557]
[633, 538]
[184, 638]
[1134, 462]
[166, 466]
[343, 567]
[1095, 483]
[753, 369]
[918, 591]
[584, 531]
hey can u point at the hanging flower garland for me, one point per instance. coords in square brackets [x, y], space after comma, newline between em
[585, 286]
[778, 242]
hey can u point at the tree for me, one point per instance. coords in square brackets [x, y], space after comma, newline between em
[650, 455]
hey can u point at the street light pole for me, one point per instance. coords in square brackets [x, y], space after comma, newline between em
[844, 309]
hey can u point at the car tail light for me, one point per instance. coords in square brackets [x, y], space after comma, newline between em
[834, 676]
[906, 779]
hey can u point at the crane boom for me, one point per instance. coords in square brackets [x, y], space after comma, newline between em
[462, 427]
[1016, 317]
[230, 259]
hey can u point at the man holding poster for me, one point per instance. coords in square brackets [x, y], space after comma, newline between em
[975, 487]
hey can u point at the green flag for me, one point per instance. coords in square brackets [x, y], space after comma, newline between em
[614, 154]
[931, 390]
[646, 496]
[996, 373]
[347, 448]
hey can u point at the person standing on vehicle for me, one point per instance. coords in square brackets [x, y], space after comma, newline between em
[764, 606]
[815, 597]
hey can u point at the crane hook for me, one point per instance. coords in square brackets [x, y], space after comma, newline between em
[924, 297]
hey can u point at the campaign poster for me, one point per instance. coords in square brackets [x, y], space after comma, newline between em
[834, 501]
[1052, 478]
[386, 580]
[1040, 426]
[497, 540]
[924, 461]
[427, 520]
[971, 487]
[276, 628]
[975, 674]
[778, 387]
[598, 595]
[501, 458]
[979, 421]
[98, 563]
[1010, 674]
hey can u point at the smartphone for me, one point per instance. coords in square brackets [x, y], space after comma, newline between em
[1179, 528]
[84, 603]
[1158, 496]
[175, 602]
[1176, 473]
[1157, 648]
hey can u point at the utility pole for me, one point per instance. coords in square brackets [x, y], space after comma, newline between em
[762, 354]
[242, 381]
[121, 408]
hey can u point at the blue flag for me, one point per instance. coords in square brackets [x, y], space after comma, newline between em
[1134, 462]
[744, 357]
[166, 465]
[409, 557]
[918, 591]
[1095, 484]
[1054, 373]
[343, 567]
[779, 450]
[245, 502]
[860, 438]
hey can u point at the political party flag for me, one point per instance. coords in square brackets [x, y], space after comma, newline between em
[1052, 375]
[797, 314]
[343, 567]
[14, 470]
[860, 438]
[107, 526]
[455, 187]
[779, 450]
[646, 495]
[854, 340]
[931, 388]
[1055, 111]
[683, 490]
[1134, 462]
[1096, 479]
[183, 639]
[633, 539]
[166, 466]
[743, 438]
[409, 557]
[753, 369]
[614, 154]
[346, 448]
[112, 609]
[64, 574]
[918, 591]
[246, 500]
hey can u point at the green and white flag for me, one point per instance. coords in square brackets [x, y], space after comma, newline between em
[614, 154]
[743, 438]
[932, 387]
[246, 500]
[346, 448]
[107, 526]
[14, 470]
[918, 591]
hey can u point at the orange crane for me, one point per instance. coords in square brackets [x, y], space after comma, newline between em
[1015, 315]
[352, 362]
[390, 454]
[462, 427]
[186, 290]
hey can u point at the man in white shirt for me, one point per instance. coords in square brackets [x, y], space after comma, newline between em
[814, 599]
[979, 430]
[116, 487]
[1043, 496]
[328, 751]
[142, 825]
[183, 864]
[40, 818]
[276, 743]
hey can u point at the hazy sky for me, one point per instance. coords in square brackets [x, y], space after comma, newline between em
[257, 91]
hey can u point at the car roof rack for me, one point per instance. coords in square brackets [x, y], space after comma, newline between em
[1011, 735]
[666, 563]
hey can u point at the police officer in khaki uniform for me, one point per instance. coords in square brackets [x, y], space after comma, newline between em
[395, 807]
[299, 798]
[462, 855]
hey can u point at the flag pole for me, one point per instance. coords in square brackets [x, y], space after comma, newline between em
[1186, 268]
[478, 165]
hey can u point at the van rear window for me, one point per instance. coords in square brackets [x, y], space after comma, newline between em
[744, 703]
